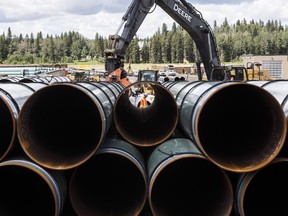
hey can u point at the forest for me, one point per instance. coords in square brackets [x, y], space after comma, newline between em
[167, 45]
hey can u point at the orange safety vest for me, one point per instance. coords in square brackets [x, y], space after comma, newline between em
[143, 102]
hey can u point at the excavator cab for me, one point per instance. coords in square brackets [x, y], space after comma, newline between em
[238, 73]
[148, 75]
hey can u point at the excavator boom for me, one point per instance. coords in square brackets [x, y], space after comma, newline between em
[185, 15]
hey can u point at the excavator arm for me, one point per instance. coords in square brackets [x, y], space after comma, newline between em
[118, 44]
[185, 15]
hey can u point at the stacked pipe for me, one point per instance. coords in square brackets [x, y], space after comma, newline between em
[213, 114]
[85, 144]
[138, 126]
[256, 155]
[112, 182]
[45, 79]
[182, 181]
[12, 98]
[28, 189]
[62, 125]
[42, 130]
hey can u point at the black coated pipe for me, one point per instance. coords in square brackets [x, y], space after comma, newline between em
[31, 80]
[239, 126]
[12, 97]
[182, 181]
[62, 125]
[45, 79]
[279, 89]
[28, 189]
[57, 79]
[112, 182]
[264, 192]
[149, 126]
[9, 79]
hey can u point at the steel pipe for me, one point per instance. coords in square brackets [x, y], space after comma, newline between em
[31, 80]
[149, 126]
[279, 89]
[112, 182]
[28, 189]
[54, 79]
[9, 79]
[182, 181]
[62, 125]
[239, 126]
[12, 97]
[264, 192]
[45, 79]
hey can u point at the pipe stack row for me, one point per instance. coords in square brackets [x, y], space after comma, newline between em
[41, 79]
[201, 148]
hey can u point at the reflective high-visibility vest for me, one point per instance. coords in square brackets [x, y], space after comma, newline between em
[143, 102]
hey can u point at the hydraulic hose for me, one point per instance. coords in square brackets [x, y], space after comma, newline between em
[12, 97]
[182, 181]
[239, 126]
[62, 125]
[112, 182]
[28, 189]
[149, 126]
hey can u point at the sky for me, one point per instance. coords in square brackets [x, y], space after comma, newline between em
[89, 17]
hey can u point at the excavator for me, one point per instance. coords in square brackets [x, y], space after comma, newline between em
[189, 18]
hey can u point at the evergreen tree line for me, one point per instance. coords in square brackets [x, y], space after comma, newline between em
[165, 46]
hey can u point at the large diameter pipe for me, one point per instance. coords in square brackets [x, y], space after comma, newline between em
[182, 181]
[62, 125]
[12, 98]
[149, 126]
[9, 79]
[28, 189]
[45, 79]
[264, 192]
[112, 182]
[239, 126]
[180, 89]
[279, 89]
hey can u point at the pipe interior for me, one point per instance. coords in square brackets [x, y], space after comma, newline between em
[60, 126]
[148, 126]
[24, 192]
[191, 186]
[241, 127]
[7, 128]
[108, 184]
[266, 193]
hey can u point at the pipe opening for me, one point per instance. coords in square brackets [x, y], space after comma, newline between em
[241, 128]
[184, 187]
[60, 126]
[7, 127]
[24, 192]
[266, 193]
[149, 126]
[108, 184]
